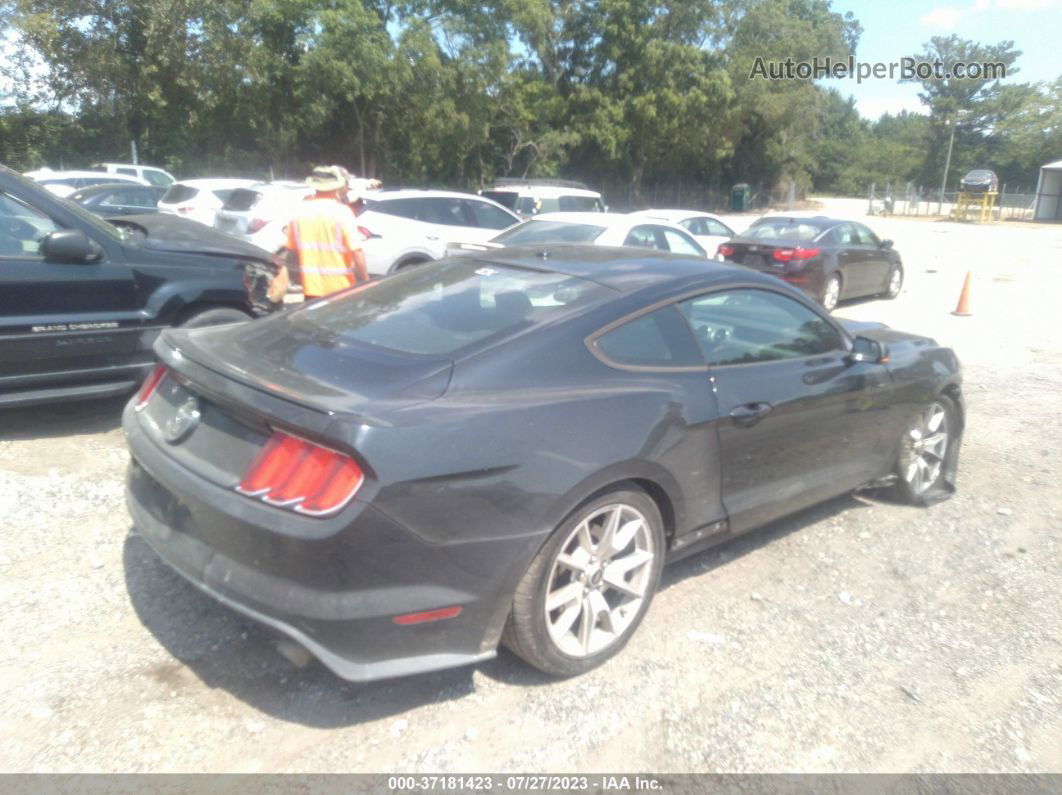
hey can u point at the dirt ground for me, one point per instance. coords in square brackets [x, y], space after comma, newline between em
[857, 636]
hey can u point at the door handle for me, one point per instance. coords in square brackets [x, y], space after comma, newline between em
[431, 237]
[749, 414]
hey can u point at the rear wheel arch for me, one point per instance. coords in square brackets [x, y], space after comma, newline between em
[411, 261]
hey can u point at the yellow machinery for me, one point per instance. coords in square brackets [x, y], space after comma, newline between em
[980, 204]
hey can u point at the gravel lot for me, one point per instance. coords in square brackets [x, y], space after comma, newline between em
[857, 636]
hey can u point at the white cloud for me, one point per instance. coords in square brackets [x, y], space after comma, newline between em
[942, 17]
[875, 107]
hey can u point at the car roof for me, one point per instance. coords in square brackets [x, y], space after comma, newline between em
[821, 220]
[40, 176]
[208, 183]
[623, 269]
[592, 218]
[545, 191]
[133, 165]
[674, 215]
[106, 187]
[419, 193]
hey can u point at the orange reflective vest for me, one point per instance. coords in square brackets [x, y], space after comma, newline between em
[324, 234]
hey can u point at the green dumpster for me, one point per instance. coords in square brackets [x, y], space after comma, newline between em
[739, 197]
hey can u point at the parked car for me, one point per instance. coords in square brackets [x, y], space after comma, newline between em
[979, 180]
[158, 177]
[828, 258]
[534, 196]
[601, 229]
[82, 300]
[118, 198]
[260, 212]
[199, 199]
[508, 447]
[410, 227]
[707, 229]
[63, 183]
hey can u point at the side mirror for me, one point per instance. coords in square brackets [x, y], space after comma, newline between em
[70, 245]
[867, 350]
[886, 244]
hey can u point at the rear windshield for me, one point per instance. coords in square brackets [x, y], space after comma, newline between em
[579, 204]
[530, 232]
[506, 198]
[784, 229]
[179, 193]
[441, 308]
[242, 199]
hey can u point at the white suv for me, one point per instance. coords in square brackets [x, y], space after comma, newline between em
[150, 174]
[199, 199]
[410, 227]
[535, 196]
[259, 212]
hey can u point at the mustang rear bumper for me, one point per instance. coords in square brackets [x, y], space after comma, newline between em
[335, 593]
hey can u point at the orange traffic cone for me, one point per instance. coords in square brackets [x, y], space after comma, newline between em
[963, 309]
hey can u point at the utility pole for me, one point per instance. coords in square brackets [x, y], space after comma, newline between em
[947, 165]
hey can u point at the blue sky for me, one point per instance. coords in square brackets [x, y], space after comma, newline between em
[895, 28]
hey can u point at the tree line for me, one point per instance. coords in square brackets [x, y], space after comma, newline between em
[626, 95]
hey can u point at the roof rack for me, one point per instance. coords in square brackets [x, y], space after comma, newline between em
[551, 183]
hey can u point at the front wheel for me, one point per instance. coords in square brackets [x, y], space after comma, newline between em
[924, 449]
[831, 292]
[589, 586]
[894, 283]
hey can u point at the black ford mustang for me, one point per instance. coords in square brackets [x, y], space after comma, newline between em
[508, 447]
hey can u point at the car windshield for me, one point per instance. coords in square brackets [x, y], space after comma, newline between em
[444, 307]
[506, 198]
[784, 229]
[549, 232]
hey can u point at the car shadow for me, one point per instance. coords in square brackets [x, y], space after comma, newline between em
[222, 649]
[50, 420]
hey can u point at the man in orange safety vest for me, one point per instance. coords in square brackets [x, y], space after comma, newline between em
[324, 237]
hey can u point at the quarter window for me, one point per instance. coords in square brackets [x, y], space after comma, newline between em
[680, 244]
[485, 216]
[747, 326]
[644, 237]
[658, 339]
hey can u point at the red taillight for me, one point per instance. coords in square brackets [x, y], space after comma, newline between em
[725, 250]
[366, 234]
[790, 254]
[151, 383]
[255, 224]
[185, 209]
[293, 473]
[427, 615]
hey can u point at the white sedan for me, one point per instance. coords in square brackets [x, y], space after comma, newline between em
[599, 229]
[708, 229]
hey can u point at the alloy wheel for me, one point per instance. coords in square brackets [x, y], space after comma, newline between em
[895, 282]
[925, 445]
[831, 293]
[598, 580]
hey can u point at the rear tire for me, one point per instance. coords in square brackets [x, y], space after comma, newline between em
[831, 292]
[582, 598]
[213, 317]
[412, 263]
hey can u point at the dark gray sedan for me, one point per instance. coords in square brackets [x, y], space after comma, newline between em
[508, 447]
[830, 259]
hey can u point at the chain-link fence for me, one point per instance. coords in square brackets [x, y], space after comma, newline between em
[678, 195]
[910, 199]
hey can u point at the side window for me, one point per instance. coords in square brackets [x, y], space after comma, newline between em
[679, 243]
[142, 197]
[716, 228]
[866, 237]
[118, 198]
[485, 216]
[157, 178]
[643, 236]
[658, 339]
[22, 227]
[695, 226]
[403, 208]
[748, 326]
[130, 171]
[446, 212]
[844, 235]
